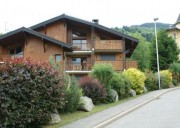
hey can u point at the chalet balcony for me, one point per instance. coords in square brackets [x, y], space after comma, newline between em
[108, 45]
[119, 65]
[78, 67]
[81, 47]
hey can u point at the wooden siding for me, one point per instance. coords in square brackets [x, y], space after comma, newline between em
[108, 45]
[40, 50]
[3, 51]
[119, 56]
[57, 30]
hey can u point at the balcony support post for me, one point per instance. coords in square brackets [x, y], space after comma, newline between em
[124, 53]
[92, 44]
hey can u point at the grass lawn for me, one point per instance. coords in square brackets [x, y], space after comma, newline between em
[70, 117]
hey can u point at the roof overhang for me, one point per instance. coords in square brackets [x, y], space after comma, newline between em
[23, 32]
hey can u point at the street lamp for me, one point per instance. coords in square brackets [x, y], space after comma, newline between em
[159, 83]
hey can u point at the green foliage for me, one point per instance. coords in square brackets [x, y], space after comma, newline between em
[146, 30]
[121, 84]
[137, 79]
[175, 69]
[93, 89]
[175, 82]
[142, 52]
[72, 96]
[168, 51]
[55, 65]
[166, 78]
[29, 92]
[151, 80]
[103, 73]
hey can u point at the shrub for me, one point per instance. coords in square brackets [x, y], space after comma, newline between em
[137, 79]
[166, 78]
[72, 96]
[175, 82]
[93, 89]
[29, 92]
[175, 69]
[103, 73]
[151, 81]
[121, 84]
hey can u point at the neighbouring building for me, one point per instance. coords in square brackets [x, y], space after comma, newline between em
[174, 32]
[76, 44]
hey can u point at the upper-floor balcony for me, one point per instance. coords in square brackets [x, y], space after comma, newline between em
[81, 47]
[118, 65]
[108, 45]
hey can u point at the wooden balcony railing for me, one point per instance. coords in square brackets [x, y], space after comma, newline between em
[131, 64]
[108, 45]
[78, 67]
[81, 47]
[119, 65]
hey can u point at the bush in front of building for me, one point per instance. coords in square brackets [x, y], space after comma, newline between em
[175, 69]
[73, 94]
[137, 79]
[29, 93]
[166, 78]
[151, 81]
[103, 72]
[93, 89]
[121, 84]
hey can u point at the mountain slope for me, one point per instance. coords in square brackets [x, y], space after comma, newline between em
[146, 29]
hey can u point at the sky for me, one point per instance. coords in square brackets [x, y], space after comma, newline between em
[111, 13]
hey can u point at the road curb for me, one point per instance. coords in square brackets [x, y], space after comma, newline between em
[108, 121]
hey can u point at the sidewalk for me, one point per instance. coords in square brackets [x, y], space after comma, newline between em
[100, 119]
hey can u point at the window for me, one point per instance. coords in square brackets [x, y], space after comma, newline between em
[108, 57]
[79, 40]
[76, 60]
[58, 57]
[17, 52]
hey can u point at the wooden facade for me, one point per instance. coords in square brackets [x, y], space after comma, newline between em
[75, 43]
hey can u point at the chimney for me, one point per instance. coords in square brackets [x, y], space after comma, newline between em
[95, 21]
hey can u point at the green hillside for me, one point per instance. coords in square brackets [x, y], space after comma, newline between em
[146, 29]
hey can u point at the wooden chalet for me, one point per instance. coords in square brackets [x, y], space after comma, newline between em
[76, 44]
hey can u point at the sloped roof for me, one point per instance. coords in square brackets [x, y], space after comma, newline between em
[173, 28]
[95, 25]
[34, 33]
[174, 25]
[178, 19]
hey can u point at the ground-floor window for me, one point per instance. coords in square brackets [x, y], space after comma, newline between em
[16, 52]
[58, 57]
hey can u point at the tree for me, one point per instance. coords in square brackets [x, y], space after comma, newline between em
[142, 52]
[167, 49]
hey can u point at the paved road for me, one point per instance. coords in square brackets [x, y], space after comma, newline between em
[163, 112]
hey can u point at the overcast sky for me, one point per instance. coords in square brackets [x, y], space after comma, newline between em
[111, 13]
